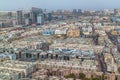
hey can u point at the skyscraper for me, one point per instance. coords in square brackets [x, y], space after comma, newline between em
[117, 12]
[79, 11]
[27, 18]
[19, 17]
[74, 11]
[34, 13]
[9, 15]
[40, 19]
[49, 16]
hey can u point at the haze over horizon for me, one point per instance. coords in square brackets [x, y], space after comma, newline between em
[59, 4]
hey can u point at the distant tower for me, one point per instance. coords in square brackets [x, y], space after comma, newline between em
[27, 19]
[19, 17]
[74, 11]
[9, 15]
[79, 11]
[116, 12]
[40, 19]
[49, 16]
[34, 13]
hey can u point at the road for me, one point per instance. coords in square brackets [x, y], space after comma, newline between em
[102, 66]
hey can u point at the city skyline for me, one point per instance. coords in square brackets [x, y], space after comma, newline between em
[59, 4]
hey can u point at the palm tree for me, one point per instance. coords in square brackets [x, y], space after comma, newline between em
[81, 76]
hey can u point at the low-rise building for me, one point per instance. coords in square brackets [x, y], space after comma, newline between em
[73, 32]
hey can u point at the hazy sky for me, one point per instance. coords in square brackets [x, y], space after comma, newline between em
[59, 4]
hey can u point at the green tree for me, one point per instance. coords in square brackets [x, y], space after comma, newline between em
[103, 77]
[119, 69]
[72, 75]
[95, 79]
[86, 79]
[81, 76]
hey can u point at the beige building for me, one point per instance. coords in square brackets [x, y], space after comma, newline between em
[111, 65]
[15, 70]
[73, 32]
[108, 58]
